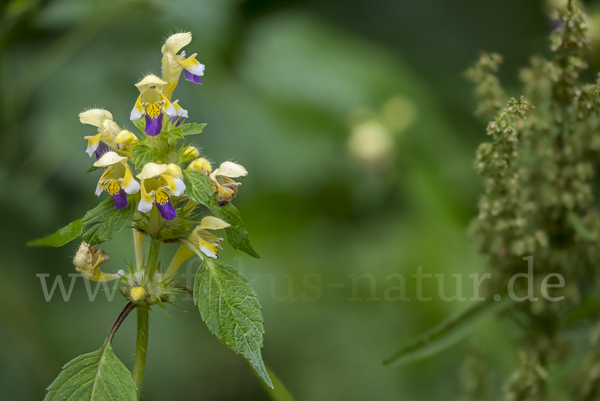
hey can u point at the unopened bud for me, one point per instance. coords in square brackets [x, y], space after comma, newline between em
[137, 293]
[191, 152]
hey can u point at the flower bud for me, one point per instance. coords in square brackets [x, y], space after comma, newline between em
[202, 165]
[191, 153]
[124, 139]
[137, 292]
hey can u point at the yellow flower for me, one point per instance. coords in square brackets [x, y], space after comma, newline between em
[173, 64]
[117, 179]
[224, 186]
[125, 140]
[107, 131]
[159, 183]
[152, 102]
[207, 242]
[202, 165]
[87, 261]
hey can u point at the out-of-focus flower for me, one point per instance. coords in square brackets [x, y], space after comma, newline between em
[107, 131]
[173, 64]
[370, 143]
[87, 261]
[207, 242]
[159, 183]
[117, 179]
[152, 103]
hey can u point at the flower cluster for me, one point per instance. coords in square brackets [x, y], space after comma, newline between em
[159, 185]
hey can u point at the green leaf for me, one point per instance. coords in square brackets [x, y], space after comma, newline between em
[141, 124]
[105, 221]
[448, 332]
[61, 237]
[237, 236]
[96, 376]
[231, 311]
[197, 187]
[142, 154]
[192, 128]
[93, 168]
[579, 227]
[174, 133]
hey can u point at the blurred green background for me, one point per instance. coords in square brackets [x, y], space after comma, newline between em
[356, 125]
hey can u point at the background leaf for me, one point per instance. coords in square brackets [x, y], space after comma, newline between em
[447, 333]
[105, 221]
[96, 376]
[61, 237]
[231, 311]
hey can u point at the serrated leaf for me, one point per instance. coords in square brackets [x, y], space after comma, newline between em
[237, 236]
[197, 187]
[174, 133]
[93, 168]
[61, 237]
[191, 128]
[140, 124]
[231, 311]
[448, 332]
[142, 154]
[97, 376]
[105, 221]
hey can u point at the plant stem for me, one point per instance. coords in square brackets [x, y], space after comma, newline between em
[141, 348]
[152, 261]
[128, 308]
[139, 250]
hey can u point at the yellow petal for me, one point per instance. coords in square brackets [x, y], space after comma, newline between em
[138, 109]
[108, 159]
[201, 165]
[95, 117]
[176, 42]
[150, 80]
[152, 170]
[229, 169]
[174, 170]
[212, 223]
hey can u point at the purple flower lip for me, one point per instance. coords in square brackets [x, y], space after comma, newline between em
[191, 77]
[101, 150]
[167, 211]
[120, 199]
[153, 125]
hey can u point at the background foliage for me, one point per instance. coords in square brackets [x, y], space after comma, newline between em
[287, 84]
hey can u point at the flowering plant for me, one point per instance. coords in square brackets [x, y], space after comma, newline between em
[161, 204]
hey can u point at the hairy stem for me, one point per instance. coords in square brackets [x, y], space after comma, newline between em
[141, 348]
[139, 250]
